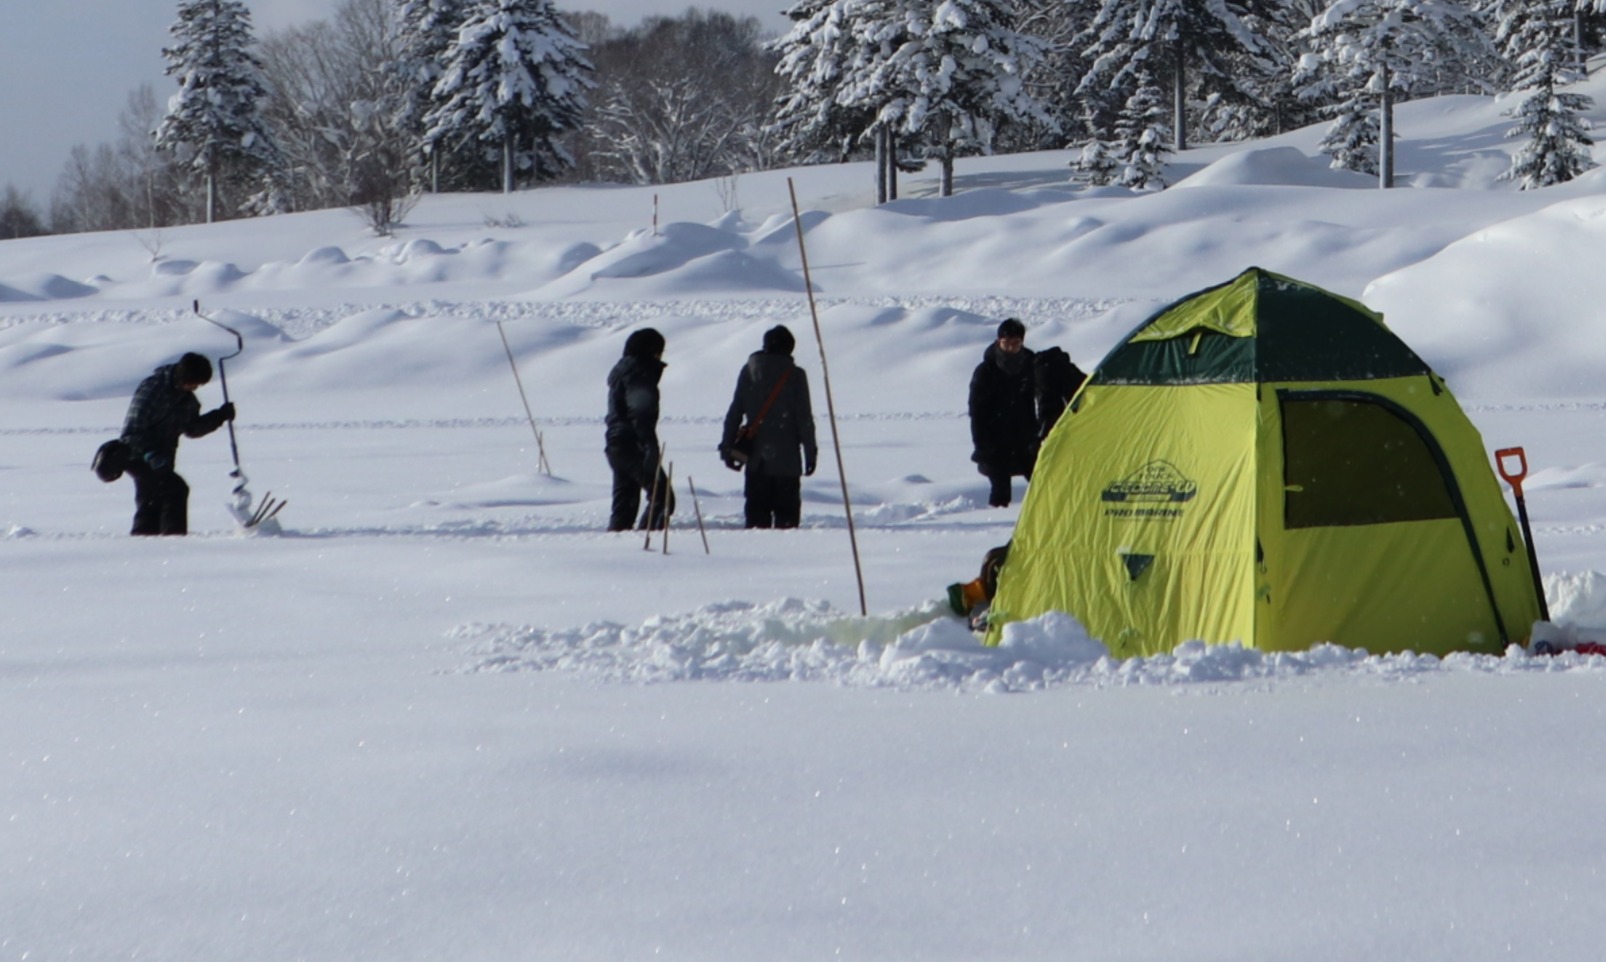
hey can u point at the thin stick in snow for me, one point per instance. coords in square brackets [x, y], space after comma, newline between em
[698, 509]
[830, 406]
[669, 490]
[652, 496]
[540, 445]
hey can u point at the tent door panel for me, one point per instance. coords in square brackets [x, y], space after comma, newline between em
[1385, 588]
[1373, 521]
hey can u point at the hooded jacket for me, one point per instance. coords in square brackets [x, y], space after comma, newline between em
[785, 444]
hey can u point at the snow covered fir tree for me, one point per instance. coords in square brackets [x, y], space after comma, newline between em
[390, 98]
[829, 108]
[1534, 36]
[1141, 136]
[945, 77]
[1203, 49]
[932, 79]
[1351, 138]
[427, 29]
[513, 81]
[1390, 49]
[214, 124]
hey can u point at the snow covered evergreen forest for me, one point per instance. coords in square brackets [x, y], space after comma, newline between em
[389, 99]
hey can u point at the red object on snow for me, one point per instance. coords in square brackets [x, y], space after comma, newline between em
[1582, 648]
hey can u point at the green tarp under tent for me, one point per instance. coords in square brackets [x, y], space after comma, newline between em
[1264, 462]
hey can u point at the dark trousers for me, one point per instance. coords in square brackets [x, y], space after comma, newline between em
[161, 501]
[631, 477]
[773, 500]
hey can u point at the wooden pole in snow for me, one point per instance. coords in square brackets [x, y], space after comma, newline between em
[540, 445]
[830, 405]
[699, 509]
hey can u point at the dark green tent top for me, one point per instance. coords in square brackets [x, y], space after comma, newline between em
[1259, 327]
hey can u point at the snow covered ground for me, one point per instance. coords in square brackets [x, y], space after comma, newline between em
[444, 715]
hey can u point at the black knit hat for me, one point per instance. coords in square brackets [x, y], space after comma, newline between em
[644, 343]
[194, 369]
[779, 340]
[1011, 327]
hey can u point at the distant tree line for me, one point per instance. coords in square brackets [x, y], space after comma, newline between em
[387, 99]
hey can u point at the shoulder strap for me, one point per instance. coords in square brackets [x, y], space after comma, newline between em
[769, 402]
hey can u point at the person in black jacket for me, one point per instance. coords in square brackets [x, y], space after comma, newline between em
[1003, 412]
[631, 441]
[773, 393]
[163, 409]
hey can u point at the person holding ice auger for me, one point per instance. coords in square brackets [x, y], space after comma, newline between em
[164, 408]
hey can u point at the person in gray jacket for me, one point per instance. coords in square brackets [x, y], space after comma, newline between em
[772, 393]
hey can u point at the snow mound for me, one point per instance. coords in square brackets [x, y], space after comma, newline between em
[1482, 336]
[1274, 166]
[924, 649]
[1578, 603]
[43, 287]
[255, 330]
[678, 258]
[324, 256]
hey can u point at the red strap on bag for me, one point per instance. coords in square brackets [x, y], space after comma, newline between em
[750, 429]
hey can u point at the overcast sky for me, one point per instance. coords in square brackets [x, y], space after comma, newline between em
[67, 68]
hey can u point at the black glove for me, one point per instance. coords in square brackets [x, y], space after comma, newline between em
[730, 462]
[226, 411]
[808, 467]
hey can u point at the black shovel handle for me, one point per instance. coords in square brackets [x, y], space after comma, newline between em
[223, 374]
[1514, 477]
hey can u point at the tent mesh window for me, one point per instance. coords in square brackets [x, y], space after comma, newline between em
[1353, 461]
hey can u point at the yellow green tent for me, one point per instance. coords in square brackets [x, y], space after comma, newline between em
[1265, 462]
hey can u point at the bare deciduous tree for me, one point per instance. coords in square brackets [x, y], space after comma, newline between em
[331, 102]
[126, 184]
[681, 98]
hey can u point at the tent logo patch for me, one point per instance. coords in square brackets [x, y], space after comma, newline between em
[1154, 490]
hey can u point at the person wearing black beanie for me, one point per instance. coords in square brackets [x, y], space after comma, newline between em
[1003, 412]
[631, 437]
[779, 340]
[769, 433]
[163, 409]
[646, 342]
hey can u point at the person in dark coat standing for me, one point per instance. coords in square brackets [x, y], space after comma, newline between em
[164, 408]
[1003, 412]
[632, 434]
[783, 448]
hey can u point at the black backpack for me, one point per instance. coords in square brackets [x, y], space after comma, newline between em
[111, 460]
[1057, 380]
